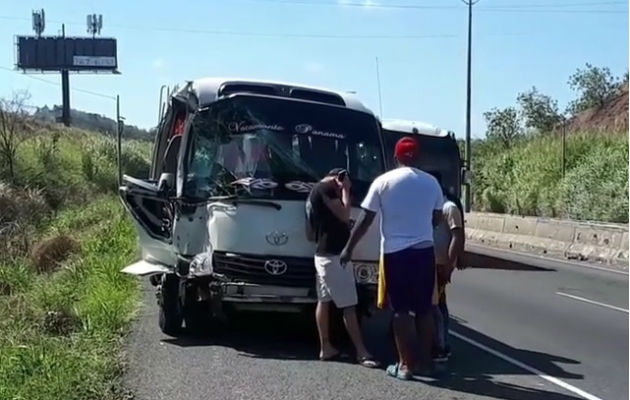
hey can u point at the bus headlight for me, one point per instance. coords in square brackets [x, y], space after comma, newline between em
[366, 273]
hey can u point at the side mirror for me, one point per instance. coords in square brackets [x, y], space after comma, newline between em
[466, 176]
[166, 183]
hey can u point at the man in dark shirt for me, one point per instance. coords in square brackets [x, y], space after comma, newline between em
[328, 210]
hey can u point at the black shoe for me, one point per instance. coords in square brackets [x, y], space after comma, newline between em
[441, 355]
[437, 371]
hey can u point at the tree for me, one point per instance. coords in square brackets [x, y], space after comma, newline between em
[594, 86]
[539, 110]
[503, 125]
[12, 116]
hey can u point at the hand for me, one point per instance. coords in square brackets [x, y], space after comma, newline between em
[444, 274]
[345, 256]
[346, 184]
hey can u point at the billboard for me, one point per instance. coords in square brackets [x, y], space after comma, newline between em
[54, 53]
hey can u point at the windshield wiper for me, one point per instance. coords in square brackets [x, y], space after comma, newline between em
[236, 200]
[256, 202]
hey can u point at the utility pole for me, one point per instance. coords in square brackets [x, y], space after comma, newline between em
[469, 3]
[119, 131]
[564, 145]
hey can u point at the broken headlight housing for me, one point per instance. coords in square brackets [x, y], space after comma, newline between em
[201, 265]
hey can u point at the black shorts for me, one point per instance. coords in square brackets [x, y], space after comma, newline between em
[410, 280]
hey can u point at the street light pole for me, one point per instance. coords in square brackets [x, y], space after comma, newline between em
[469, 3]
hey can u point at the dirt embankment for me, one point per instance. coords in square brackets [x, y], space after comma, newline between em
[611, 118]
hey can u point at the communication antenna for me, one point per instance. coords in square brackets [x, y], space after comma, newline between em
[39, 22]
[94, 24]
[378, 82]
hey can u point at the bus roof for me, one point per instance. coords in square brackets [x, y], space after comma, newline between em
[413, 127]
[208, 90]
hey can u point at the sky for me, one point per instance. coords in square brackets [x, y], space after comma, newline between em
[420, 45]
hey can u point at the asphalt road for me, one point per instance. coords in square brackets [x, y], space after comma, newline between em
[508, 312]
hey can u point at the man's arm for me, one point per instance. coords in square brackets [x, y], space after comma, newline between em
[366, 219]
[455, 221]
[371, 204]
[339, 207]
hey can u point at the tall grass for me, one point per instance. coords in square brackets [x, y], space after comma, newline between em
[527, 179]
[60, 333]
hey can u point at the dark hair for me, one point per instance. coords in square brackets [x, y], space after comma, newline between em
[449, 196]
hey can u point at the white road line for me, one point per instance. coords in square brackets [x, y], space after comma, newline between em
[527, 368]
[597, 303]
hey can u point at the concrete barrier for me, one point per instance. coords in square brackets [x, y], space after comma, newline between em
[584, 241]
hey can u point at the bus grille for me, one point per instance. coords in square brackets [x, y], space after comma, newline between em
[300, 272]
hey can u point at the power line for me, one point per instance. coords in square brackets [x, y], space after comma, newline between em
[497, 8]
[532, 8]
[76, 89]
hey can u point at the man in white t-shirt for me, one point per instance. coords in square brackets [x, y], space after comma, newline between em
[410, 202]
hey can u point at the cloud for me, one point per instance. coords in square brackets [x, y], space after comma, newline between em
[313, 68]
[158, 63]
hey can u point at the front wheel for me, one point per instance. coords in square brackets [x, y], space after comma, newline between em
[170, 313]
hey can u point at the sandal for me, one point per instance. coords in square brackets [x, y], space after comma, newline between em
[395, 372]
[368, 362]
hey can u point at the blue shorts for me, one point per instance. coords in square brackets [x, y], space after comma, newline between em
[410, 280]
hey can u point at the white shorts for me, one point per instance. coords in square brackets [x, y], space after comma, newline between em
[334, 282]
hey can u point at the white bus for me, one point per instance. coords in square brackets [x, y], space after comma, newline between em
[221, 219]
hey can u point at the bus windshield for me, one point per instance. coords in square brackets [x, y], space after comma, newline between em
[439, 156]
[262, 147]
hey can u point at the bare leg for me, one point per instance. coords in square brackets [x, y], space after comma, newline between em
[322, 318]
[403, 324]
[425, 328]
[354, 331]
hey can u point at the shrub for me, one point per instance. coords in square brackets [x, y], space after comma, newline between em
[597, 189]
[527, 178]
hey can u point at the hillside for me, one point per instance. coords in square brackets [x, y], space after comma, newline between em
[611, 118]
[93, 122]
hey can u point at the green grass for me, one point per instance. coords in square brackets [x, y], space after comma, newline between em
[60, 333]
[526, 179]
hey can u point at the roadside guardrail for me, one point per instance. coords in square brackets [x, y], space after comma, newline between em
[605, 243]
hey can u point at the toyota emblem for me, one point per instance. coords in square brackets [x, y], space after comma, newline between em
[275, 267]
[303, 128]
[277, 238]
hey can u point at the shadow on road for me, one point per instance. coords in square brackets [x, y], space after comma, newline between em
[260, 335]
[482, 261]
[474, 371]
[471, 370]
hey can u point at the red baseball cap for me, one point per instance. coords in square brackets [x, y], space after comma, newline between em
[406, 150]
